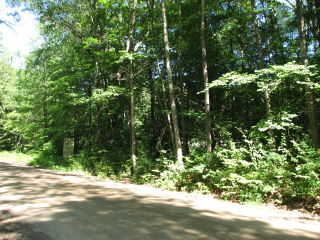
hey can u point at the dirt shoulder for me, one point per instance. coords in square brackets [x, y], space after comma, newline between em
[58, 205]
[10, 229]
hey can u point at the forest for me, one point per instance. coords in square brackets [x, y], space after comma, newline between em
[217, 97]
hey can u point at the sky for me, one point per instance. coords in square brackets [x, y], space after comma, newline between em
[19, 39]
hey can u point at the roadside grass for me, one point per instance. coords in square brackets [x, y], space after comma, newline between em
[16, 157]
[39, 160]
[46, 160]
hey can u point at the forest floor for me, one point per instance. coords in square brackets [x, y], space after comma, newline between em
[41, 204]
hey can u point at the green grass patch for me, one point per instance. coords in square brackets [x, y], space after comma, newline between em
[16, 157]
[41, 160]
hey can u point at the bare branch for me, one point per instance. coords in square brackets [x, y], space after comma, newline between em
[293, 6]
[8, 24]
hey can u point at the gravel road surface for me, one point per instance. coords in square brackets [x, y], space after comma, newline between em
[64, 206]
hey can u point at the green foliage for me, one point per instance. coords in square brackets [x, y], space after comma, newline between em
[246, 174]
[101, 163]
[47, 157]
[169, 175]
[112, 92]
[8, 88]
[269, 78]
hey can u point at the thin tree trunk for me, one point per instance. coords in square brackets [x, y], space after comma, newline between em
[131, 90]
[153, 140]
[160, 137]
[132, 122]
[153, 93]
[168, 118]
[205, 80]
[312, 113]
[181, 100]
[184, 135]
[175, 125]
[233, 67]
[184, 131]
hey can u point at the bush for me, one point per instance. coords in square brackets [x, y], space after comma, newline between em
[103, 163]
[250, 172]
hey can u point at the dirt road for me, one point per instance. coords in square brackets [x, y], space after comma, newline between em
[74, 207]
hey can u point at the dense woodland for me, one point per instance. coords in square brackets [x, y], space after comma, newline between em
[214, 96]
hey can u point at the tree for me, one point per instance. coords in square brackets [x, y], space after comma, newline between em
[205, 79]
[171, 88]
[130, 49]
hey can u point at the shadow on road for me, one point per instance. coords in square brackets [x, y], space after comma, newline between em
[16, 230]
[67, 206]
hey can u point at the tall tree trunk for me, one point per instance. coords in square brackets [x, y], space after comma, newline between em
[185, 145]
[233, 65]
[312, 113]
[153, 94]
[205, 80]
[181, 99]
[132, 121]
[171, 89]
[168, 118]
[131, 90]
[153, 140]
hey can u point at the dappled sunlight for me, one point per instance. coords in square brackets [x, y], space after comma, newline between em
[70, 206]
